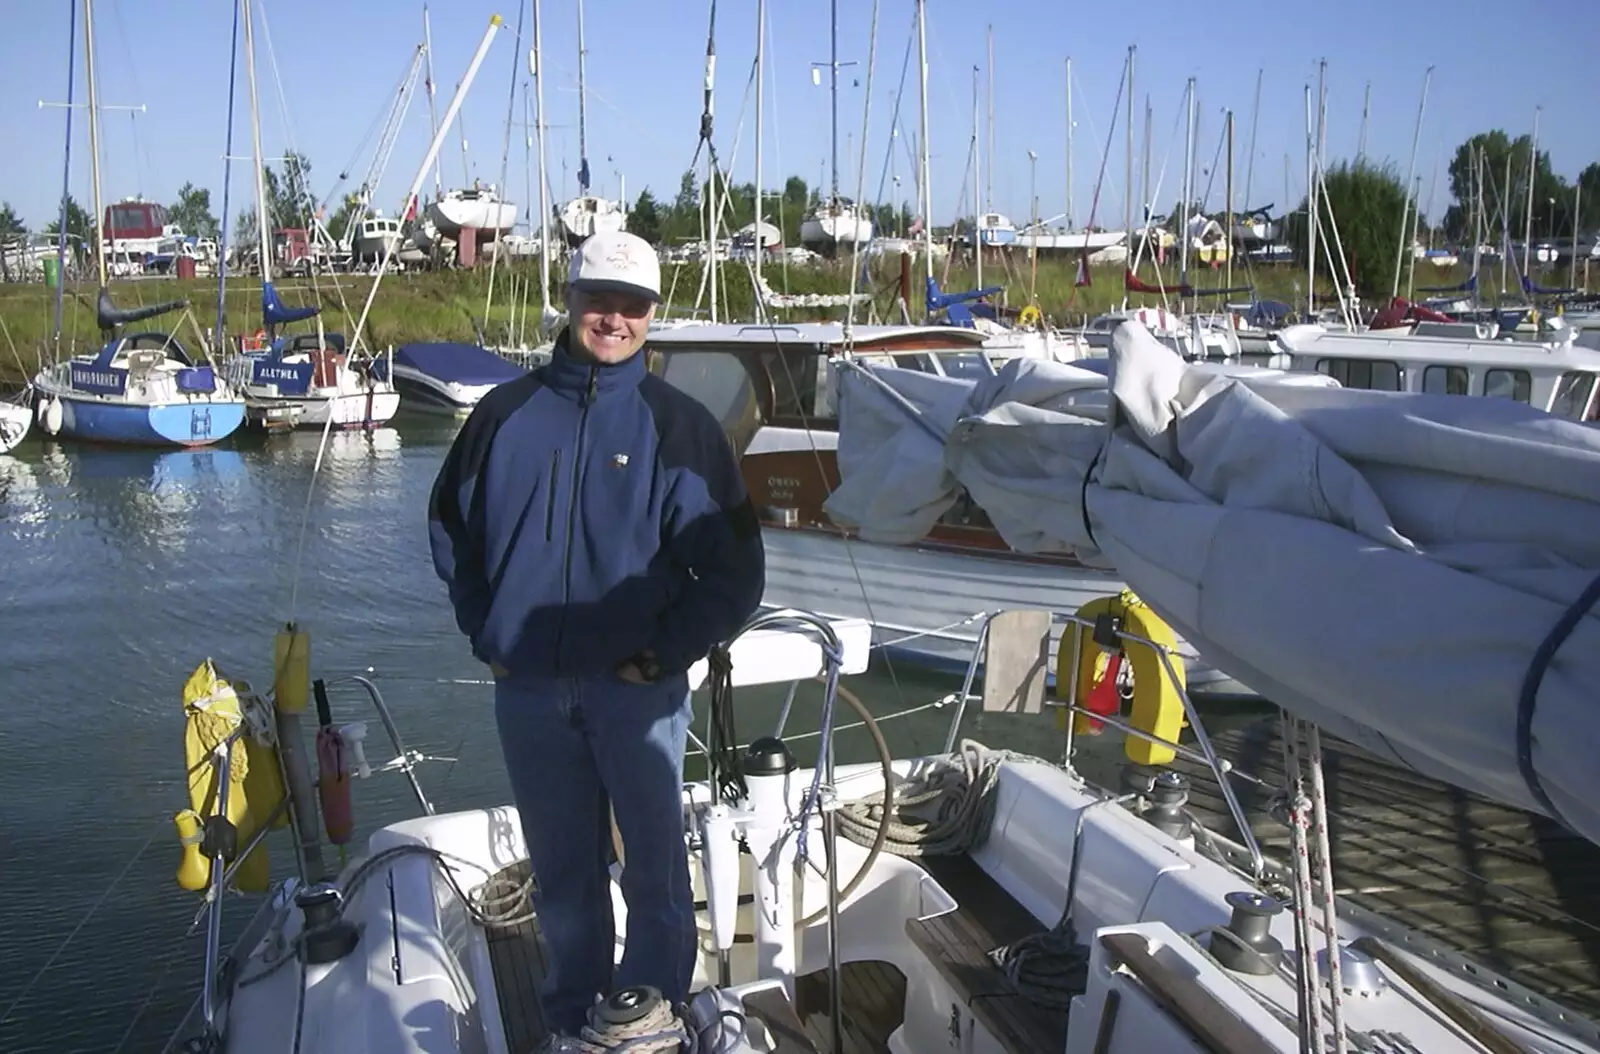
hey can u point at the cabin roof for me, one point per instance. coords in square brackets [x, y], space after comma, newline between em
[827, 334]
[1315, 342]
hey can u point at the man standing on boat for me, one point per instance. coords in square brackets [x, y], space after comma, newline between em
[597, 540]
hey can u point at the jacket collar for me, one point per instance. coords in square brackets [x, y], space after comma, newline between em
[575, 378]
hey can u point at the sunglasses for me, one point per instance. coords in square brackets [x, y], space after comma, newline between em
[613, 303]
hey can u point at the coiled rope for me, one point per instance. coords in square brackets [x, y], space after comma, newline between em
[944, 811]
[658, 1032]
[948, 810]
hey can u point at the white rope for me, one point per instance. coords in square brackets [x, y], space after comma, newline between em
[657, 1032]
[947, 810]
[1309, 1011]
[1323, 862]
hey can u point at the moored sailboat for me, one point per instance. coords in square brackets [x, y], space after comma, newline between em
[305, 380]
[143, 389]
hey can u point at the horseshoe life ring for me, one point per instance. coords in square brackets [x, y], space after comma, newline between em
[1029, 316]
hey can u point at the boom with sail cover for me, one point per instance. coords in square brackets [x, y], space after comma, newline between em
[1416, 573]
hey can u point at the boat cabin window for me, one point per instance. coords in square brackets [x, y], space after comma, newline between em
[966, 365]
[904, 360]
[719, 380]
[1445, 380]
[798, 388]
[1508, 384]
[1371, 374]
[1575, 397]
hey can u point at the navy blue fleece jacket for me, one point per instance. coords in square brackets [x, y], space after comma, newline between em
[586, 513]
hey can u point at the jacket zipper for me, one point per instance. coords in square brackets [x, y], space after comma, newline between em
[550, 499]
[584, 402]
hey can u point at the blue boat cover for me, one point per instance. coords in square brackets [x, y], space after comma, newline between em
[458, 363]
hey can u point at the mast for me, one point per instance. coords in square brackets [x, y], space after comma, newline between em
[761, 76]
[263, 218]
[1572, 259]
[227, 181]
[1533, 168]
[1228, 230]
[1416, 222]
[583, 109]
[433, 116]
[1477, 215]
[66, 177]
[1322, 116]
[922, 151]
[1411, 172]
[1366, 111]
[1188, 187]
[977, 178]
[94, 141]
[1505, 226]
[707, 126]
[1127, 193]
[833, 90]
[1311, 213]
[1144, 182]
[988, 190]
[1069, 142]
[535, 67]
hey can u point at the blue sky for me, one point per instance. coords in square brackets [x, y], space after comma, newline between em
[339, 61]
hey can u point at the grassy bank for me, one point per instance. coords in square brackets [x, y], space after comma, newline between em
[450, 305]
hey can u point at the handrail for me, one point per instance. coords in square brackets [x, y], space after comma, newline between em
[1207, 755]
[404, 759]
[1235, 809]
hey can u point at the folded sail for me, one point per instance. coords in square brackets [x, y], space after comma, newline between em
[1388, 565]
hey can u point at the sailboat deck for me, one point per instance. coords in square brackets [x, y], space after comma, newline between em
[872, 996]
[1513, 891]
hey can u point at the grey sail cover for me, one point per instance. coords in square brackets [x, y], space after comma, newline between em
[1386, 565]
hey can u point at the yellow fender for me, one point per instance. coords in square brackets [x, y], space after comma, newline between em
[1157, 702]
[212, 711]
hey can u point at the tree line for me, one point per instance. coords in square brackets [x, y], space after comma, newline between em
[1366, 198]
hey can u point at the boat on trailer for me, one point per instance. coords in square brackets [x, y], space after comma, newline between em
[448, 378]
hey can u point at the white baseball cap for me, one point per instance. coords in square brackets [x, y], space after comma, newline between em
[616, 260]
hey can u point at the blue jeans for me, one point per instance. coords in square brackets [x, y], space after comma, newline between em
[573, 746]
